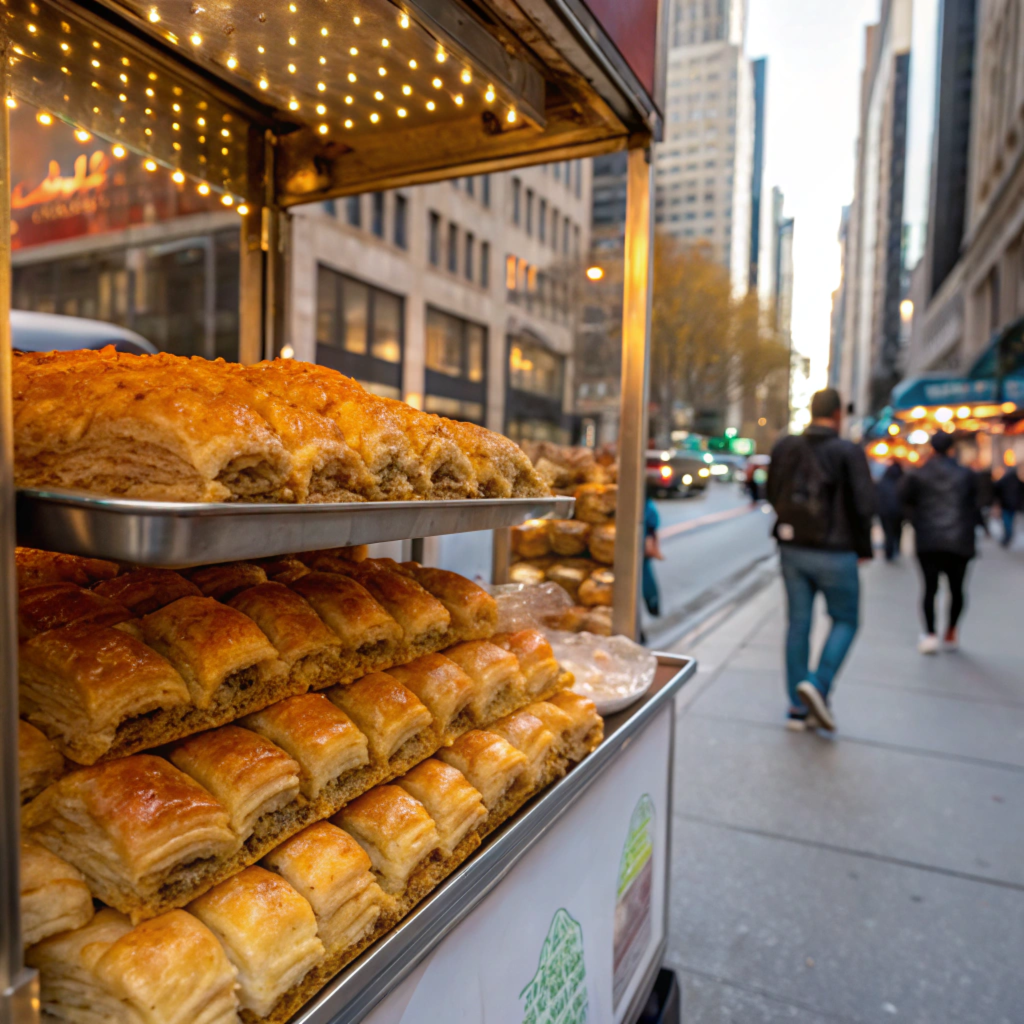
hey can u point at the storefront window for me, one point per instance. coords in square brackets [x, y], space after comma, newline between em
[535, 386]
[535, 370]
[456, 355]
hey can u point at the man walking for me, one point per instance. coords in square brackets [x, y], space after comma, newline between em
[823, 496]
[1008, 492]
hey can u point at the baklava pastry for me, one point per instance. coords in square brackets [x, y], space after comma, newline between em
[327, 867]
[537, 664]
[598, 588]
[54, 896]
[222, 582]
[39, 761]
[532, 738]
[587, 728]
[456, 807]
[532, 539]
[445, 690]
[369, 635]
[595, 503]
[250, 776]
[268, 932]
[311, 651]
[491, 765]
[143, 833]
[602, 543]
[396, 832]
[559, 724]
[330, 750]
[35, 567]
[398, 727]
[501, 468]
[93, 689]
[145, 590]
[52, 605]
[474, 613]
[223, 656]
[569, 536]
[284, 569]
[499, 684]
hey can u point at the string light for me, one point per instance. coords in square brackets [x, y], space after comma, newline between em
[196, 39]
[291, 68]
[176, 107]
[150, 165]
[126, 62]
[431, 105]
[458, 100]
[291, 40]
[322, 129]
[119, 152]
[413, 65]
[348, 124]
[320, 87]
[154, 15]
[375, 117]
[124, 78]
[321, 109]
[441, 56]
[406, 90]
[382, 72]
[225, 133]
[32, 29]
[402, 111]
[437, 83]
[12, 103]
[260, 49]
[466, 76]
[348, 100]
[243, 209]
[152, 76]
[489, 95]
[122, 97]
[404, 21]
[227, 200]
[95, 63]
[82, 135]
[352, 50]
[150, 93]
[264, 83]
[378, 95]
[65, 47]
[178, 178]
[203, 189]
[43, 118]
[232, 63]
[323, 60]
[351, 76]
[511, 117]
[293, 105]
[201, 122]
[356, 20]
[292, 8]
[323, 31]
[385, 43]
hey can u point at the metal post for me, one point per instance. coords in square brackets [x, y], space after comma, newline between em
[636, 330]
[19, 987]
[501, 555]
[250, 278]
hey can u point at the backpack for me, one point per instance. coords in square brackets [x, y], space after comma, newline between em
[804, 500]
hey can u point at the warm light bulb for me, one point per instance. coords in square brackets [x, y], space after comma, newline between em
[225, 133]
[321, 109]
[176, 107]
[148, 131]
[375, 117]
[354, 51]
[348, 124]
[466, 76]
[402, 111]
[227, 200]
[595, 273]
[489, 95]
[121, 96]
[119, 152]
[458, 100]
[413, 65]
[82, 135]
[65, 47]
[382, 71]
[12, 103]
[264, 83]
[348, 100]
[288, 352]
[232, 63]
[441, 56]
[196, 39]
[351, 76]
[243, 209]
[293, 104]
[203, 189]
[323, 31]
[292, 8]
[406, 90]
[291, 40]
[126, 62]
[150, 93]
[431, 105]
[260, 49]
[178, 178]
[378, 95]
[150, 165]
[154, 15]
[437, 83]
[321, 87]
[323, 60]
[404, 21]
[95, 63]
[356, 20]
[291, 68]
[201, 122]
[124, 79]
[322, 129]
[385, 43]
[43, 118]
[511, 117]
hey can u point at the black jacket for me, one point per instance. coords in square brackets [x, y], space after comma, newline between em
[889, 504]
[1009, 490]
[853, 503]
[941, 501]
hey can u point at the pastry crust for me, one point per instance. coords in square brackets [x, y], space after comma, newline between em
[268, 931]
[537, 662]
[87, 687]
[490, 764]
[35, 567]
[250, 776]
[284, 569]
[499, 684]
[52, 605]
[474, 613]
[456, 807]
[39, 761]
[587, 728]
[500, 467]
[222, 582]
[532, 539]
[598, 589]
[602, 543]
[531, 737]
[568, 536]
[311, 651]
[595, 503]
[145, 590]
[396, 723]
[54, 896]
[445, 690]
[329, 748]
[394, 829]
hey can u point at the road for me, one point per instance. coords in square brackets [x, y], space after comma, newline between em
[709, 542]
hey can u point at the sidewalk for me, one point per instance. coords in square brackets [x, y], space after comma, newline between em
[874, 876]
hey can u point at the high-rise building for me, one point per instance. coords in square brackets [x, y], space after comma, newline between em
[838, 320]
[704, 164]
[781, 286]
[760, 76]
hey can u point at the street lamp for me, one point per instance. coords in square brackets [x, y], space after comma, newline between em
[595, 273]
[906, 310]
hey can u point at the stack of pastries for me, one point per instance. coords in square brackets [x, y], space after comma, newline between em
[170, 428]
[241, 754]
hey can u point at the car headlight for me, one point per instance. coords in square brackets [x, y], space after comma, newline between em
[666, 472]
[704, 472]
[687, 479]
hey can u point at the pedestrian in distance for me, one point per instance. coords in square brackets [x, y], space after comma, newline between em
[890, 508]
[821, 489]
[941, 502]
[1009, 492]
[652, 550]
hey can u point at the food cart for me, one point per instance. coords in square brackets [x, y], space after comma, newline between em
[273, 105]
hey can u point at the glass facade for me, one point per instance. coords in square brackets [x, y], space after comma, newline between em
[456, 366]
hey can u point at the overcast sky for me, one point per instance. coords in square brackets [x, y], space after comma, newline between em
[815, 52]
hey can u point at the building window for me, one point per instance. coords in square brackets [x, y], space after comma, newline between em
[453, 248]
[554, 229]
[359, 331]
[529, 211]
[557, 172]
[485, 264]
[470, 186]
[401, 230]
[565, 237]
[456, 366]
[354, 211]
[517, 189]
[579, 179]
[470, 256]
[485, 190]
[434, 241]
[330, 207]
[535, 382]
[576, 242]
[377, 221]
[542, 220]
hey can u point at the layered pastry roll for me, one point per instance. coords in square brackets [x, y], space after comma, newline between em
[52, 605]
[445, 690]
[474, 613]
[587, 728]
[35, 567]
[221, 654]
[283, 570]
[268, 932]
[250, 776]
[311, 651]
[499, 684]
[490, 764]
[137, 828]
[501, 468]
[398, 727]
[569, 536]
[602, 543]
[222, 582]
[325, 742]
[456, 807]
[395, 830]
[558, 723]
[531, 737]
[598, 589]
[145, 590]
[39, 761]
[54, 896]
[532, 539]
[537, 664]
[333, 873]
[369, 635]
[92, 688]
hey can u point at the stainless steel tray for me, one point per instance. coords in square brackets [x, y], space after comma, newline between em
[175, 534]
[349, 997]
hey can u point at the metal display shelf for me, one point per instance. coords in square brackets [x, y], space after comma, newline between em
[350, 996]
[175, 534]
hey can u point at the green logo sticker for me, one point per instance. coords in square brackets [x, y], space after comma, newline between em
[558, 992]
[633, 920]
[639, 843]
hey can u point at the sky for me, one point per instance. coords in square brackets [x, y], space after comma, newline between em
[815, 54]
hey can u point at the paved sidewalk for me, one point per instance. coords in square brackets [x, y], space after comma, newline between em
[875, 876]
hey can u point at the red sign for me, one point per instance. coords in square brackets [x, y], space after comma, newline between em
[632, 25]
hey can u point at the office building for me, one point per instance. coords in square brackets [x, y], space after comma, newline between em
[759, 70]
[837, 322]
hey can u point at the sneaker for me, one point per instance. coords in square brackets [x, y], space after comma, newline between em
[796, 721]
[816, 705]
[928, 644]
[951, 642]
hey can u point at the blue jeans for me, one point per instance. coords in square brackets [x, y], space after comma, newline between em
[1009, 515]
[805, 572]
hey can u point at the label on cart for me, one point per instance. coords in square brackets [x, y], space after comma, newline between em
[569, 933]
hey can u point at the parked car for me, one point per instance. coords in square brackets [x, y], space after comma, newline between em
[671, 472]
[49, 332]
[728, 467]
[757, 476]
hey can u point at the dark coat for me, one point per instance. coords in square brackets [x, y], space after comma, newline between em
[941, 501]
[1009, 491]
[853, 502]
[889, 504]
